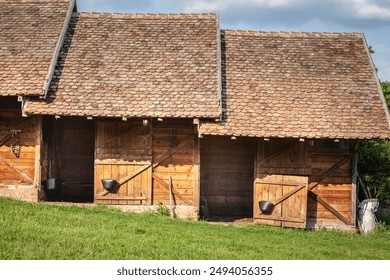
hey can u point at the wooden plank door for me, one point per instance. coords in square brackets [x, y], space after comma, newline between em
[123, 153]
[289, 195]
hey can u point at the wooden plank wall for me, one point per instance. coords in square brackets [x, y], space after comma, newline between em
[179, 166]
[18, 170]
[227, 175]
[296, 160]
[336, 189]
[121, 148]
[312, 161]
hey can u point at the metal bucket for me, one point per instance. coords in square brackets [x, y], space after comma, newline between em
[266, 207]
[49, 184]
[109, 184]
[204, 210]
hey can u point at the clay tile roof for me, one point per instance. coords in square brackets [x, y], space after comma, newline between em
[29, 33]
[309, 85]
[137, 65]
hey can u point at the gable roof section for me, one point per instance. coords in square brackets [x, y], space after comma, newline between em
[309, 85]
[137, 65]
[30, 32]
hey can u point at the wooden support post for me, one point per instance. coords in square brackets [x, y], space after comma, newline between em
[171, 199]
[354, 189]
[196, 170]
[38, 145]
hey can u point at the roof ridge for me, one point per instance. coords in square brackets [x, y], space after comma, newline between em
[145, 15]
[263, 32]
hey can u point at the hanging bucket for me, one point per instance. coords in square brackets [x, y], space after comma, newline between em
[109, 184]
[266, 207]
[49, 184]
[204, 210]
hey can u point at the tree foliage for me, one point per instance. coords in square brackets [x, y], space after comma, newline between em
[374, 161]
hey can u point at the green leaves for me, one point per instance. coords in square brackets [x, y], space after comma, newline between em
[374, 161]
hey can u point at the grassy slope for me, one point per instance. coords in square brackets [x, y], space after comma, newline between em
[38, 231]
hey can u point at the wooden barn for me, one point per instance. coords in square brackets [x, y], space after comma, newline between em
[296, 107]
[125, 103]
[31, 34]
[142, 110]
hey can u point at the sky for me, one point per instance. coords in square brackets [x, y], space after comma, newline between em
[372, 17]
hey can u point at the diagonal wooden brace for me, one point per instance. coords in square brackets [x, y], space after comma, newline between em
[325, 174]
[14, 168]
[279, 151]
[330, 208]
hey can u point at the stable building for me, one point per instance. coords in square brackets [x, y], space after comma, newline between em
[141, 110]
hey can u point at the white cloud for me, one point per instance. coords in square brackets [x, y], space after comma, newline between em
[348, 9]
[372, 11]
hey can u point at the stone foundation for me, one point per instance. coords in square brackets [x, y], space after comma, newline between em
[25, 193]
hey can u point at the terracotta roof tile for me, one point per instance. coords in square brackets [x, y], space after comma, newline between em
[137, 65]
[311, 85]
[29, 32]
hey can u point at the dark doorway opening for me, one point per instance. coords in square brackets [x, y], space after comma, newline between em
[68, 158]
[227, 172]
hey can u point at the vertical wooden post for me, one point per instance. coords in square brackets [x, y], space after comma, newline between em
[196, 198]
[354, 189]
[96, 178]
[151, 185]
[38, 145]
[255, 176]
[354, 181]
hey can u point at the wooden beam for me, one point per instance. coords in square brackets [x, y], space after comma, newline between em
[289, 183]
[166, 185]
[326, 173]
[279, 151]
[354, 196]
[38, 145]
[196, 171]
[328, 207]
[13, 167]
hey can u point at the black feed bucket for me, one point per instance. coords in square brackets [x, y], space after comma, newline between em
[266, 207]
[52, 189]
[109, 184]
[49, 184]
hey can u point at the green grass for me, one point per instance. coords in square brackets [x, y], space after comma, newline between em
[41, 231]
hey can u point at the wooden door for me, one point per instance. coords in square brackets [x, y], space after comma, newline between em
[287, 193]
[123, 153]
